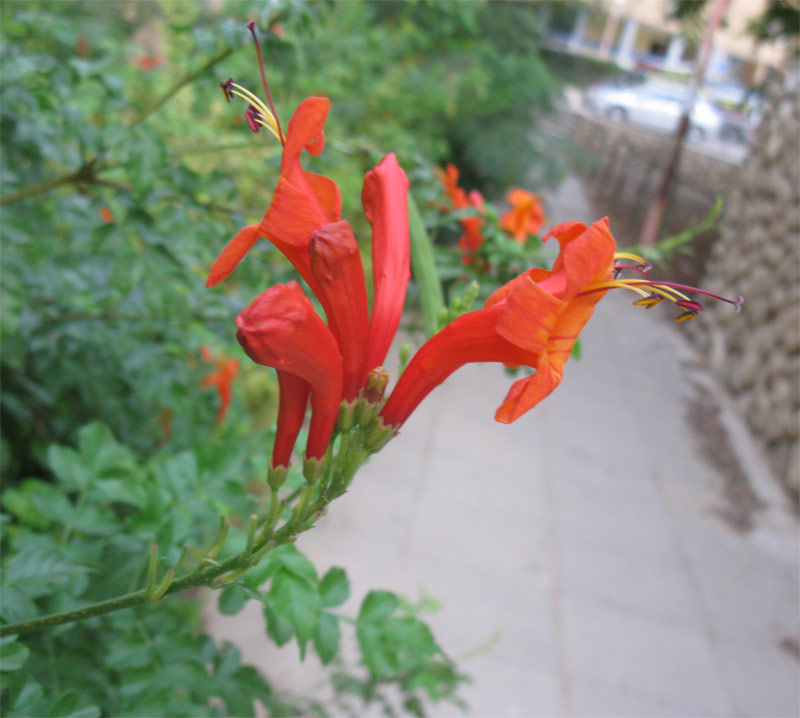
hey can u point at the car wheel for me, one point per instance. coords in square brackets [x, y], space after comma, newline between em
[617, 114]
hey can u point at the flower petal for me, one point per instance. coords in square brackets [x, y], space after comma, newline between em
[236, 248]
[281, 329]
[336, 264]
[385, 200]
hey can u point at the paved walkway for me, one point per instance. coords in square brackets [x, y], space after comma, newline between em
[590, 559]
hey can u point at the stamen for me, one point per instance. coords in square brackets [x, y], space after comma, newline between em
[226, 88]
[641, 261]
[648, 302]
[252, 117]
[257, 106]
[252, 27]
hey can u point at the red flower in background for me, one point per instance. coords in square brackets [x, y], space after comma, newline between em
[225, 371]
[472, 238]
[526, 215]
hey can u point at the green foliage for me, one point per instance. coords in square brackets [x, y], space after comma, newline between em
[123, 175]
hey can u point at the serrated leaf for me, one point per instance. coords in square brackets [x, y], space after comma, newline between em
[295, 562]
[68, 467]
[327, 638]
[376, 650]
[297, 602]
[16, 604]
[334, 588]
[231, 600]
[278, 629]
[378, 606]
[72, 704]
[13, 656]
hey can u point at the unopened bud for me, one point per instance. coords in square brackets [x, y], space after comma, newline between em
[377, 380]
[379, 435]
[347, 415]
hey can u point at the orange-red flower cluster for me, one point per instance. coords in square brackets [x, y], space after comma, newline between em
[472, 237]
[525, 217]
[318, 363]
[533, 320]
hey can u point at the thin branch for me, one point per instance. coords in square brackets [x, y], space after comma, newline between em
[188, 78]
[81, 175]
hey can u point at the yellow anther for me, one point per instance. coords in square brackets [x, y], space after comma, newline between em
[686, 317]
[648, 302]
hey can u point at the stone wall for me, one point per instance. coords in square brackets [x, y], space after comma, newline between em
[756, 354]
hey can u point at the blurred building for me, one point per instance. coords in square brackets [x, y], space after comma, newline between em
[639, 34]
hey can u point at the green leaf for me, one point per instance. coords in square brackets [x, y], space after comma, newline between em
[378, 606]
[278, 628]
[68, 466]
[16, 604]
[327, 637]
[13, 656]
[231, 600]
[334, 588]
[296, 601]
[72, 704]
[295, 562]
[377, 651]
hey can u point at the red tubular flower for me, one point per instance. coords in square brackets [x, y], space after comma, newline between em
[303, 201]
[281, 329]
[225, 371]
[385, 200]
[336, 265]
[533, 320]
[292, 404]
[472, 238]
[526, 215]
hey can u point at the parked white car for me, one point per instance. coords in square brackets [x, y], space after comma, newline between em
[654, 106]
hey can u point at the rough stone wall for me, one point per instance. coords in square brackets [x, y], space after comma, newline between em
[756, 354]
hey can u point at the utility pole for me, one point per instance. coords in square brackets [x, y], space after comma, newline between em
[655, 215]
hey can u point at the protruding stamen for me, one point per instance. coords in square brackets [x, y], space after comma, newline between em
[652, 292]
[641, 261]
[252, 27]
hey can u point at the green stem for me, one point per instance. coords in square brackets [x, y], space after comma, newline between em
[203, 576]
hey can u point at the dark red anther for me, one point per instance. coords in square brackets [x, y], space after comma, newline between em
[227, 88]
[690, 305]
[252, 115]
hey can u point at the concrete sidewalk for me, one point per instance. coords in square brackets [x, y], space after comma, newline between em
[591, 544]
[621, 550]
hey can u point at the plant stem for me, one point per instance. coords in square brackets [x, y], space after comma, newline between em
[204, 576]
